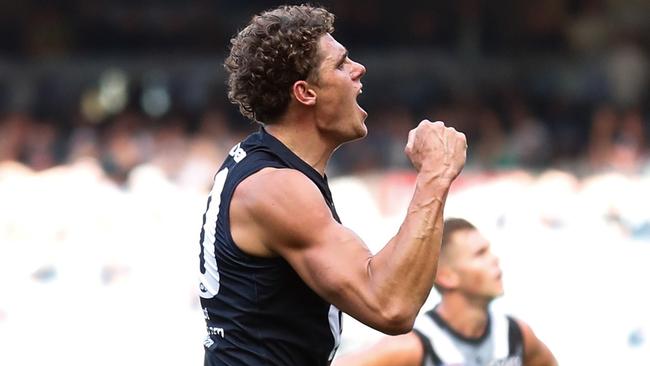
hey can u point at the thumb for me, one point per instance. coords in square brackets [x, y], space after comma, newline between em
[410, 141]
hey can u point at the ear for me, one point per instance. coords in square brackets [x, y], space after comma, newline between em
[303, 93]
[447, 278]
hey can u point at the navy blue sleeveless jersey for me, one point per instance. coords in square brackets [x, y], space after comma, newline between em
[258, 311]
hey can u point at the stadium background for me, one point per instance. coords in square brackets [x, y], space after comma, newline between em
[113, 120]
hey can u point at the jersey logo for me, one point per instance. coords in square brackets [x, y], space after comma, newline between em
[237, 153]
[216, 331]
[208, 342]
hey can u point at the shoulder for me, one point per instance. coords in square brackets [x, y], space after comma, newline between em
[273, 189]
[401, 350]
[408, 347]
[408, 344]
[283, 202]
[535, 351]
[275, 178]
[525, 331]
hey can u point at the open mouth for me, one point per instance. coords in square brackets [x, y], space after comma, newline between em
[359, 92]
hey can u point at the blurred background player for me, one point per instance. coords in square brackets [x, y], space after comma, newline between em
[461, 329]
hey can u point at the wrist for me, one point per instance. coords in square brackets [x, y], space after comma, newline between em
[433, 183]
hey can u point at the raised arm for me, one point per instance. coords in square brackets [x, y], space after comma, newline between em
[384, 291]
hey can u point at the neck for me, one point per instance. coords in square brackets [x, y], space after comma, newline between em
[303, 140]
[465, 316]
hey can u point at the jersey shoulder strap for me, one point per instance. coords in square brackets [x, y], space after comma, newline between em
[515, 338]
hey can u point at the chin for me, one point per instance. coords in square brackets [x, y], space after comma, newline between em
[358, 132]
[498, 293]
[493, 295]
[363, 131]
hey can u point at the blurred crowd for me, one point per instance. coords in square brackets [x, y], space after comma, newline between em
[561, 83]
[41, 28]
[128, 141]
[189, 151]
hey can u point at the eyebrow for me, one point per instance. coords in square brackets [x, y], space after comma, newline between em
[343, 57]
[482, 248]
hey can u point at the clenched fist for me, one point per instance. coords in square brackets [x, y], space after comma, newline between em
[437, 150]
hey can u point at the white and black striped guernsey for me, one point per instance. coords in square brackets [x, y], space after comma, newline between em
[500, 345]
[258, 311]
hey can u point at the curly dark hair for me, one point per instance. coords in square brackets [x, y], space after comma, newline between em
[276, 49]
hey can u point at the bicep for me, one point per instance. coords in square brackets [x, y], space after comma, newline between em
[332, 260]
[298, 225]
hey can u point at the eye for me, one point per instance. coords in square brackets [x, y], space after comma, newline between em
[342, 63]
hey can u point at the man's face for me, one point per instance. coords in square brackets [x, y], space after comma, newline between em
[476, 267]
[337, 87]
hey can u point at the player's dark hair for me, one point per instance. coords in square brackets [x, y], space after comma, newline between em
[276, 49]
[451, 226]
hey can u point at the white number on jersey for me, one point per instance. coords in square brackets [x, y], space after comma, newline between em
[209, 276]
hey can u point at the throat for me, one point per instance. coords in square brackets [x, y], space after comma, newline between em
[307, 146]
[470, 322]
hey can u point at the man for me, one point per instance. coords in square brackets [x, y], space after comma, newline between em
[276, 264]
[461, 330]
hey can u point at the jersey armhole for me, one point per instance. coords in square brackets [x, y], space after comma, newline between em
[515, 338]
[225, 209]
[429, 353]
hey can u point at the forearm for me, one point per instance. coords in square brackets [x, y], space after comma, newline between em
[403, 272]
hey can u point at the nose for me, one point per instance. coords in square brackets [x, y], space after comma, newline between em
[495, 260]
[359, 70]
